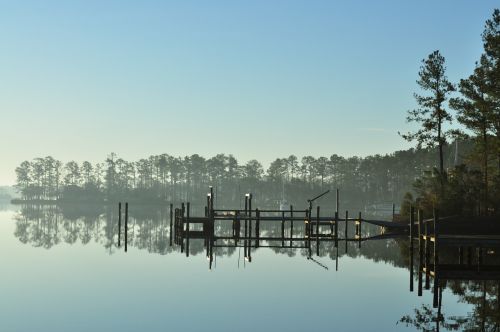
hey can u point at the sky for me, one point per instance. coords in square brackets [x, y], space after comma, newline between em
[256, 79]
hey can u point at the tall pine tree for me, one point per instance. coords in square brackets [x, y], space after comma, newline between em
[475, 110]
[431, 114]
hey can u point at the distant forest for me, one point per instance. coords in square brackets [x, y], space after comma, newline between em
[165, 178]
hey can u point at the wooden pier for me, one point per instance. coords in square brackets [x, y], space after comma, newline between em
[299, 228]
[469, 248]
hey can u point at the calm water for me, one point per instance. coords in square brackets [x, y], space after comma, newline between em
[62, 271]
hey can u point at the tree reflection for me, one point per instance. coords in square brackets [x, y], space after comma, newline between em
[47, 226]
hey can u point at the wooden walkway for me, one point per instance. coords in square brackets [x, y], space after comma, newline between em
[430, 240]
[298, 228]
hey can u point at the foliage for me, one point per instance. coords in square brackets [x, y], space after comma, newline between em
[431, 114]
[474, 187]
[454, 193]
[164, 177]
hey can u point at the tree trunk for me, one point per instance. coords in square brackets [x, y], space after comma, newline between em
[441, 162]
[485, 165]
[440, 143]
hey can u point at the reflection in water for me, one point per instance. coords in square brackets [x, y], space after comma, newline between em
[472, 277]
[468, 269]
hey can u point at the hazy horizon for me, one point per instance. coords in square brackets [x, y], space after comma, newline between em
[257, 80]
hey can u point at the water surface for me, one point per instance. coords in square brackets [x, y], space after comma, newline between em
[62, 270]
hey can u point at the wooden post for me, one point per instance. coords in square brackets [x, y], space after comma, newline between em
[249, 244]
[234, 223]
[336, 229]
[420, 251]
[207, 246]
[246, 227]
[435, 299]
[119, 222]
[126, 226]
[436, 259]
[249, 226]
[317, 230]
[211, 201]
[439, 304]
[306, 224]
[393, 211]
[346, 228]
[175, 226]
[171, 216]
[246, 213]
[337, 199]
[211, 245]
[291, 224]
[188, 208]
[308, 244]
[359, 242]
[436, 242]
[411, 266]
[257, 227]
[412, 222]
[282, 228]
[181, 227]
[238, 225]
[207, 208]
[427, 255]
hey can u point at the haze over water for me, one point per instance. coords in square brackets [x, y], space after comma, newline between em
[239, 166]
[91, 284]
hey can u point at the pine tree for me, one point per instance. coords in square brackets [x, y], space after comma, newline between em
[475, 110]
[431, 114]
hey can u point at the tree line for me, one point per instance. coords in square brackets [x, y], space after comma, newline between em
[470, 185]
[166, 178]
[473, 187]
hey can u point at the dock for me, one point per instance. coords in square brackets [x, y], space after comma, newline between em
[470, 249]
[298, 228]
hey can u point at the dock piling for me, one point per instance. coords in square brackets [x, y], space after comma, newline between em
[359, 231]
[257, 227]
[420, 251]
[188, 208]
[412, 221]
[126, 226]
[291, 224]
[336, 230]
[282, 228]
[119, 222]
[346, 228]
[317, 230]
[171, 207]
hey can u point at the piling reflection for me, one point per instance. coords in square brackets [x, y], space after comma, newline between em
[468, 265]
[471, 272]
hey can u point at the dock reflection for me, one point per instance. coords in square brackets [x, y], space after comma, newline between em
[470, 272]
[467, 265]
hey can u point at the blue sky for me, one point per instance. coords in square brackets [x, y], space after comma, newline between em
[258, 79]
